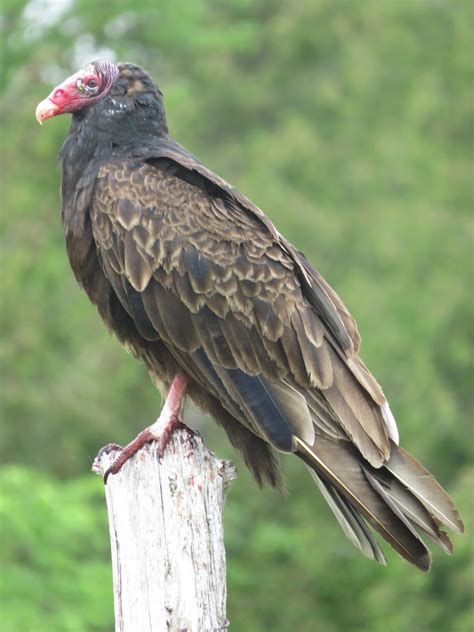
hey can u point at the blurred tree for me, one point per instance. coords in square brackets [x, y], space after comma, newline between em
[348, 123]
[55, 572]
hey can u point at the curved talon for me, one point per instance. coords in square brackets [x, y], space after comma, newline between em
[107, 449]
[108, 471]
[116, 465]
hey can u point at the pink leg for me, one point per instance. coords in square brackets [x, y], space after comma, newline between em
[161, 430]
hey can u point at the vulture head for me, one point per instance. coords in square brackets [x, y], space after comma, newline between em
[82, 89]
[110, 90]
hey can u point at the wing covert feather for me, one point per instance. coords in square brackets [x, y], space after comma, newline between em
[212, 276]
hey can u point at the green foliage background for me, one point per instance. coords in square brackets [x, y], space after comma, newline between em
[349, 123]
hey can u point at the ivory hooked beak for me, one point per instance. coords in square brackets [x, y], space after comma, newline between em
[45, 110]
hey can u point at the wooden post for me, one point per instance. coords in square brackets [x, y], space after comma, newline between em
[167, 537]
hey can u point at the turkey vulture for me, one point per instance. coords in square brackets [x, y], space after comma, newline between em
[197, 282]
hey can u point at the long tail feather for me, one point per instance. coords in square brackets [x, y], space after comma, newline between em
[413, 509]
[342, 467]
[424, 486]
[352, 524]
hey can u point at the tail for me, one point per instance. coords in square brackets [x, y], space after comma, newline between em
[397, 499]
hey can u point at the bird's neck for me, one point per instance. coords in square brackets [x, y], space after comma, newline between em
[95, 138]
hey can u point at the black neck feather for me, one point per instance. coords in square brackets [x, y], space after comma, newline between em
[115, 127]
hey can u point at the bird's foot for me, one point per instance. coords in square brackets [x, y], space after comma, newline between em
[161, 431]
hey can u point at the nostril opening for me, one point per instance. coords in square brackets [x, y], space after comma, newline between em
[59, 92]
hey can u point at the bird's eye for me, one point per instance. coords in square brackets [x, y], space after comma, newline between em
[92, 83]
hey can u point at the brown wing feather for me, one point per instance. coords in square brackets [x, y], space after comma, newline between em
[339, 325]
[175, 159]
[210, 274]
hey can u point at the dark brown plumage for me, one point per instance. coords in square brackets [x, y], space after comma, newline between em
[195, 280]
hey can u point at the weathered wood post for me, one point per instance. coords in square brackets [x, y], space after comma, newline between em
[167, 537]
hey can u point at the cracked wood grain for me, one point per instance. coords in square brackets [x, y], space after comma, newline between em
[167, 537]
